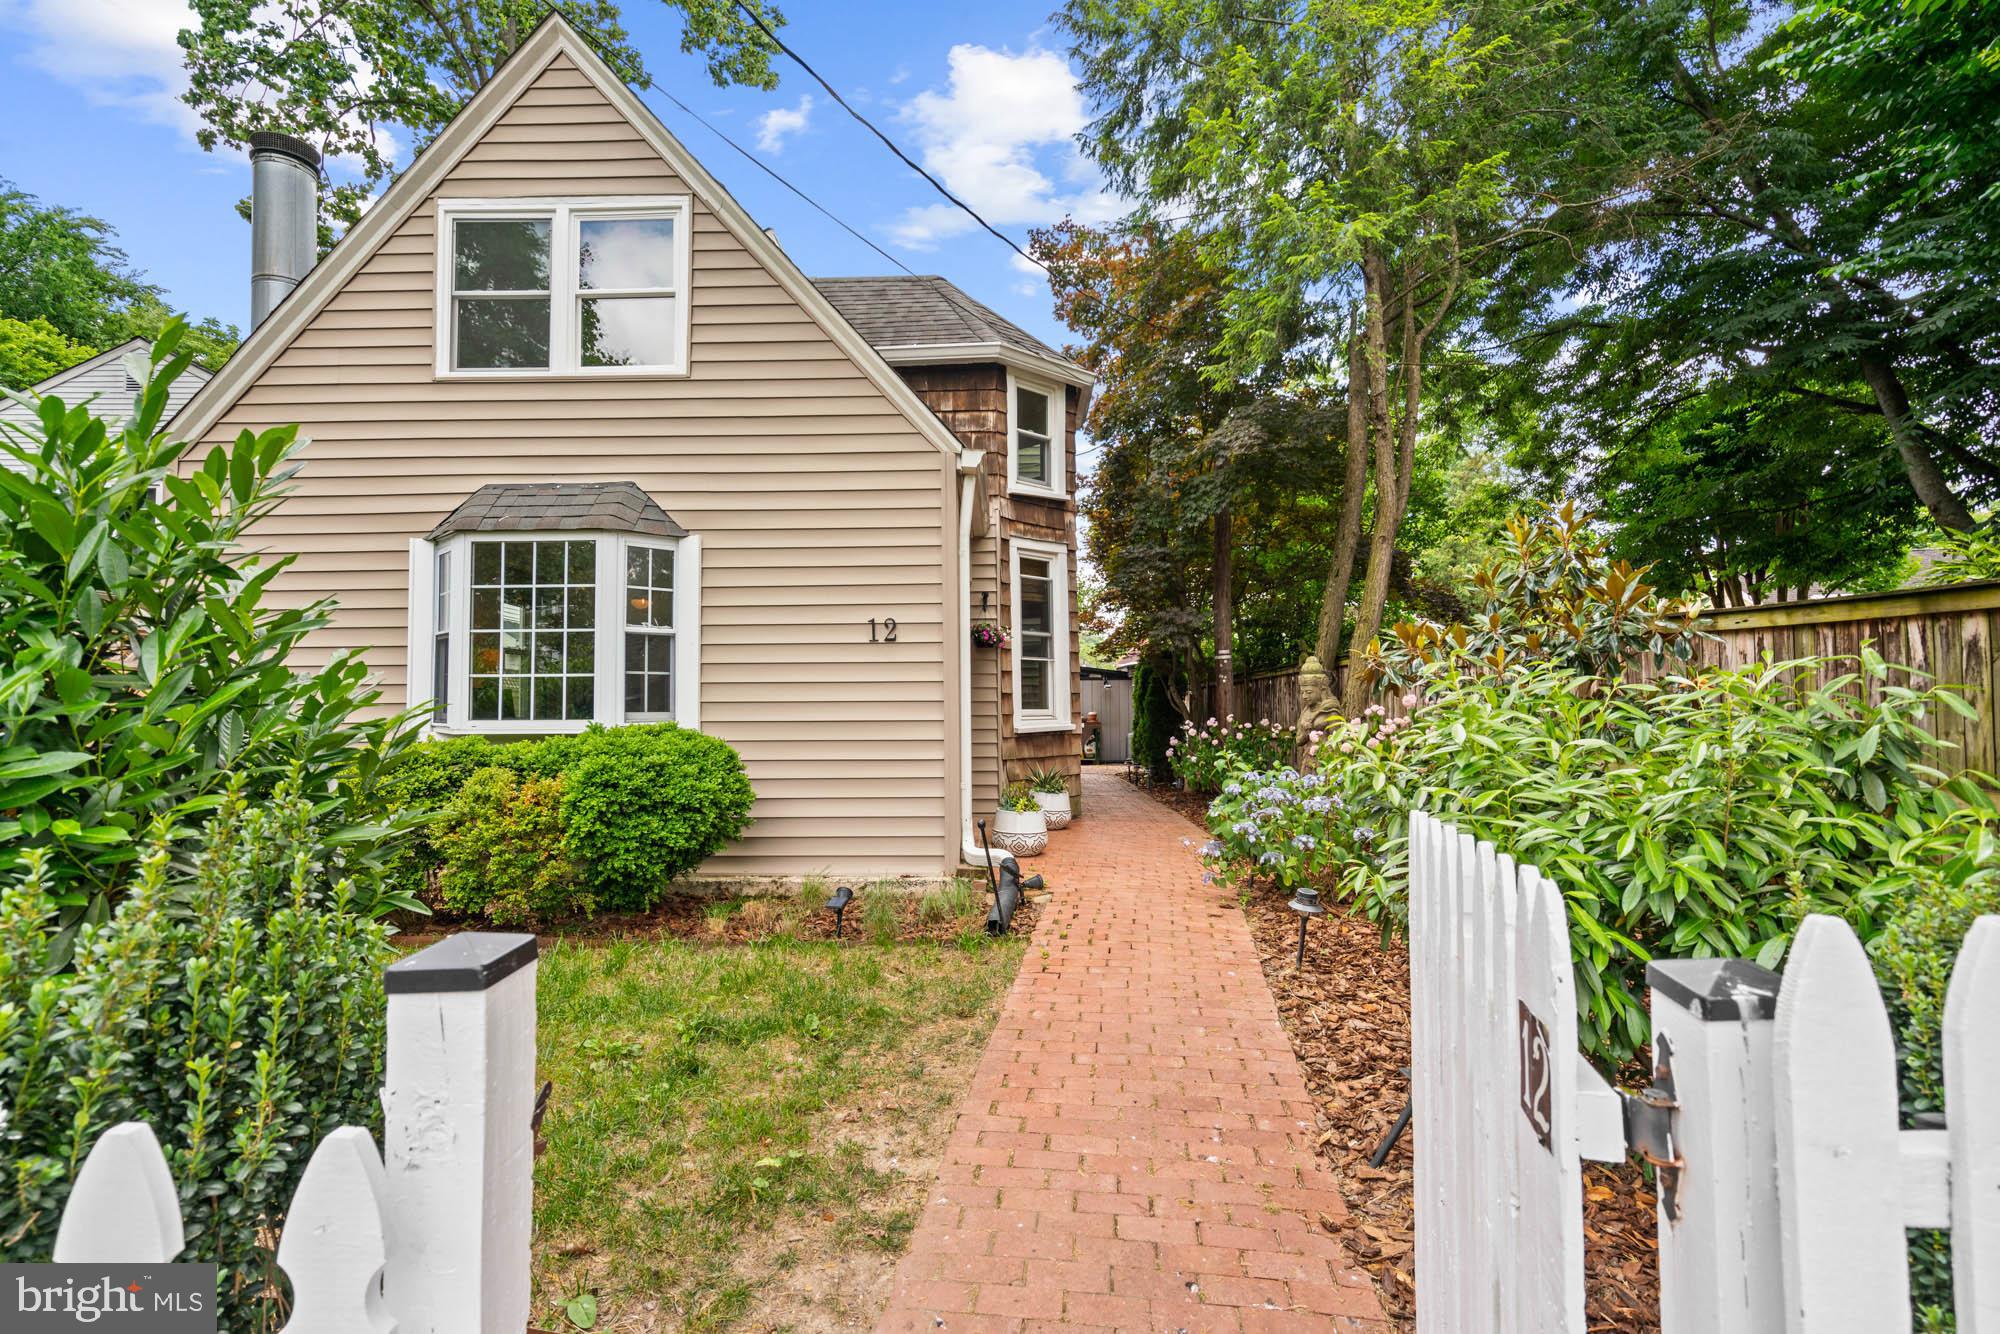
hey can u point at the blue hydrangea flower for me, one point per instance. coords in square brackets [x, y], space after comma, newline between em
[1245, 827]
[1305, 841]
[1269, 858]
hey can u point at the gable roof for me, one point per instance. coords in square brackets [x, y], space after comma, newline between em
[552, 38]
[911, 319]
[143, 346]
[617, 507]
[105, 367]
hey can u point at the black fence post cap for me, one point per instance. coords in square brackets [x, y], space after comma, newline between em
[468, 961]
[1715, 990]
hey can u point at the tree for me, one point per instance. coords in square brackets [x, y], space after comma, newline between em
[63, 267]
[1746, 494]
[354, 76]
[1194, 475]
[33, 350]
[72, 293]
[1347, 169]
[1738, 213]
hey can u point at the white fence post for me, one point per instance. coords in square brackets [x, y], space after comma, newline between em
[123, 1207]
[1840, 1171]
[458, 1150]
[1718, 1225]
[1972, 1127]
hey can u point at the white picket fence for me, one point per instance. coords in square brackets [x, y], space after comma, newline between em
[1787, 1182]
[429, 1237]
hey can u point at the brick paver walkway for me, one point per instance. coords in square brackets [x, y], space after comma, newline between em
[1136, 1150]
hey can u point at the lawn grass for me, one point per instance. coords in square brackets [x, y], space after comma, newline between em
[745, 1131]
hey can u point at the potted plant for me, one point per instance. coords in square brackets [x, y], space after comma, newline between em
[1019, 827]
[987, 634]
[1051, 789]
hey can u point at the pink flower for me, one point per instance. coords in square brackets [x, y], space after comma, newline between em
[1210, 723]
[1409, 699]
[1315, 736]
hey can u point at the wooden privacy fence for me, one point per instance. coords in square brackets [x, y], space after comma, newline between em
[1949, 633]
[1785, 1181]
[428, 1237]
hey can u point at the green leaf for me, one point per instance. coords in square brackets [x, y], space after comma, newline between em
[581, 1310]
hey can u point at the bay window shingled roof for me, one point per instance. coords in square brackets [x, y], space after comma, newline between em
[509, 507]
[923, 310]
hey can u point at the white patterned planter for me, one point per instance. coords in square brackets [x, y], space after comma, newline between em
[1055, 808]
[1021, 833]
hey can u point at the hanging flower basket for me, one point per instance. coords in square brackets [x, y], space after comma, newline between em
[987, 634]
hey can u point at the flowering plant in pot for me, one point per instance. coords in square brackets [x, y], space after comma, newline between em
[1051, 789]
[988, 634]
[1019, 827]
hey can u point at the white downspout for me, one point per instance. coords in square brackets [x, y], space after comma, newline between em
[969, 463]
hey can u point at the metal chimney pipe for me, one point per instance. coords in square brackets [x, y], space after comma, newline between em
[284, 218]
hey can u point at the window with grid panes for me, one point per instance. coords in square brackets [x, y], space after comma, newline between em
[534, 630]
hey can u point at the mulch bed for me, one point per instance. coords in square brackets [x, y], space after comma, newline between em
[1348, 1017]
[693, 918]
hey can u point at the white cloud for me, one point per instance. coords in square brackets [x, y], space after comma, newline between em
[779, 123]
[125, 54]
[1002, 137]
[120, 53]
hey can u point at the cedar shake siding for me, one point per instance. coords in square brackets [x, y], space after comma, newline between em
[972, 401]
[819, 501]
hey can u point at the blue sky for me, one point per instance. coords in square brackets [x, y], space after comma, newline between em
[981, 94]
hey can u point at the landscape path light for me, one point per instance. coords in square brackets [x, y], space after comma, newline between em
[1307, 905]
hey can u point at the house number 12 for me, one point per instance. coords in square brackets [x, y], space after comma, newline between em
[885, 633]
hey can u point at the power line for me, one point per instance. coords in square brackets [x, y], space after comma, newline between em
[908, 161]
[773, 174]
[583, 30]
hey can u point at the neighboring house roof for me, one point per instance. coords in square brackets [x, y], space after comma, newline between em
[619, 507]
[105, 380]
[551, 38]
[919, 318]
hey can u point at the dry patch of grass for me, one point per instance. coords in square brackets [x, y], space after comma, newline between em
[742, 1135]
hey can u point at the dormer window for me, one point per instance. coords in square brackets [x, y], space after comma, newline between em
[584, 287]
[1035, 438]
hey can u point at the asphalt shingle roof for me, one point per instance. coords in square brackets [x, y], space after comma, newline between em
[560, 507]
[923, 309]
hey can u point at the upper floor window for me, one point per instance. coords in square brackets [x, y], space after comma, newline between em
[1035, 438]
[585, 287]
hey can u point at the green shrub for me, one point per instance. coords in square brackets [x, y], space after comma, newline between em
[1555, 596]
[232, 1001]
[1154, 720]
[1693, 818]
[146, 671]
[500, 839]
[424, 778]
[1205, 757]
[641, 805]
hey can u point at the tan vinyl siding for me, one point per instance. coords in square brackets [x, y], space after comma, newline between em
[818, 502]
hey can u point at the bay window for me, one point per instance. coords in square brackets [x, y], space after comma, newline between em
[573, 287]
[540, 629]
[1040, 578]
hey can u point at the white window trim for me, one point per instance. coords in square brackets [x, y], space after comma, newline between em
[610, 669]
[1058, 435]
[564, 214]
[1057, 719]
